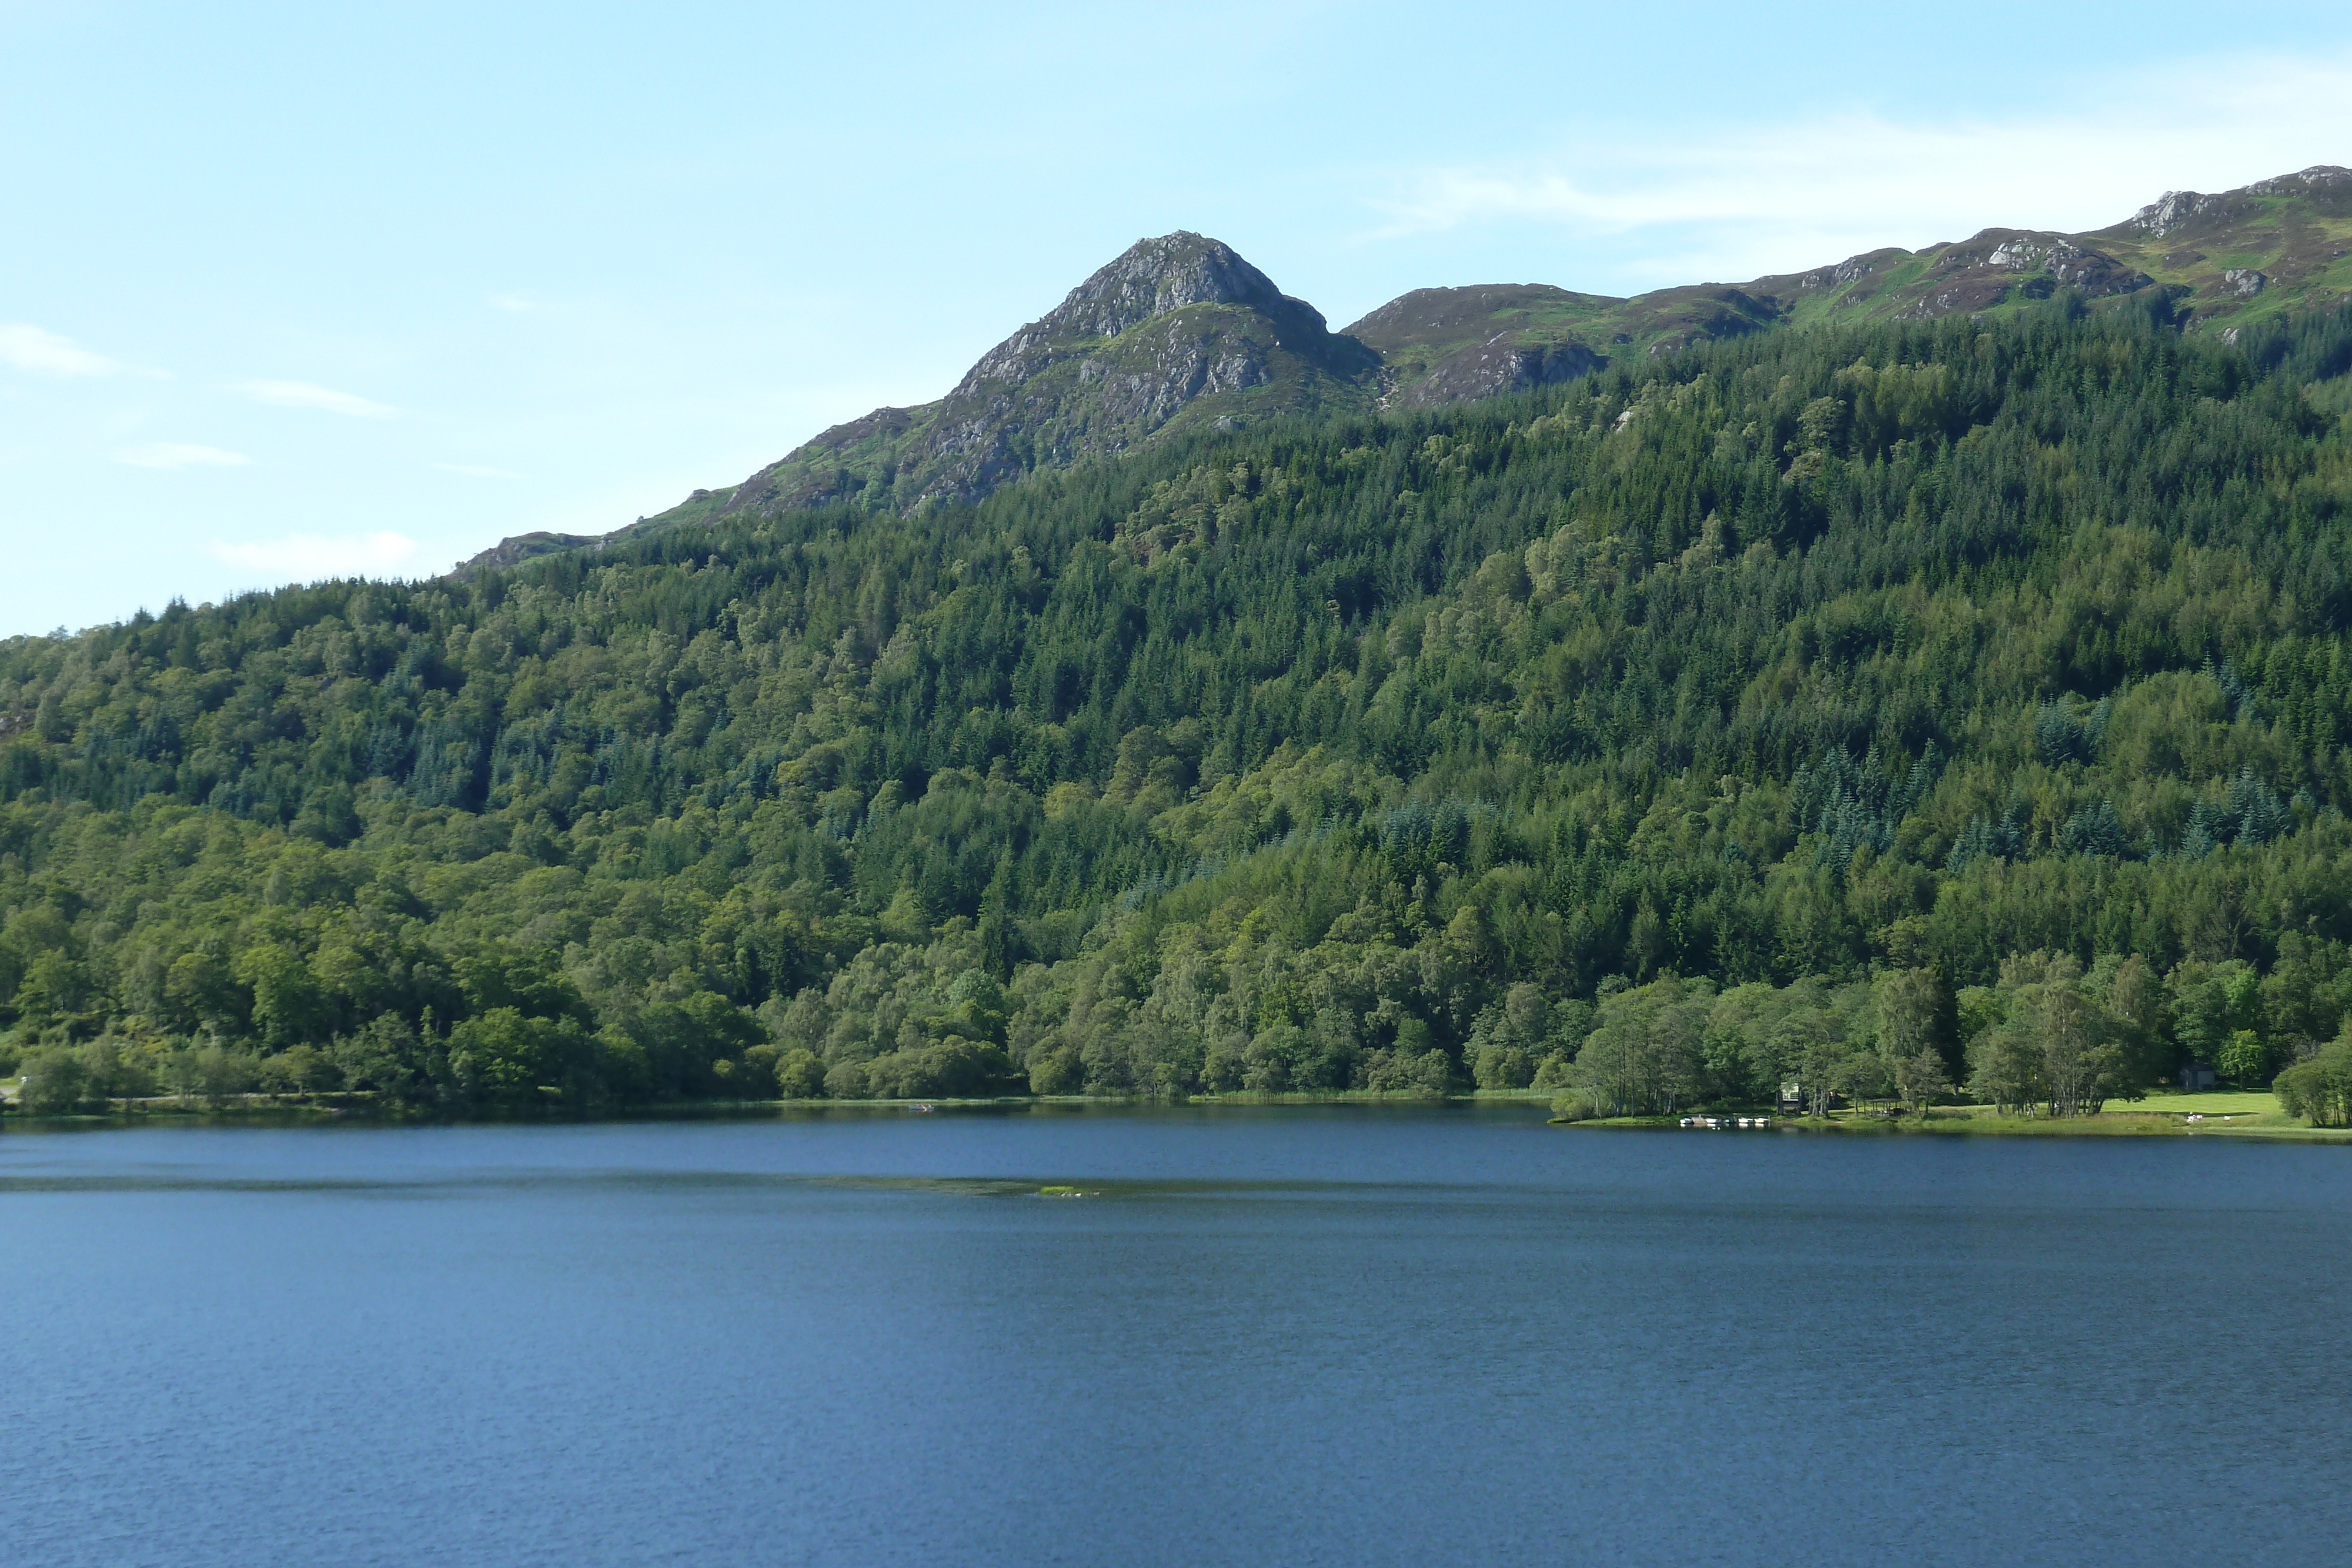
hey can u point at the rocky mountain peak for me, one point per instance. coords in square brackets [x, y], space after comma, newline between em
[1154, 276]
[1151, 280]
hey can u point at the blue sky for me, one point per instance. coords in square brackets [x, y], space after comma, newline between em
[297, 290]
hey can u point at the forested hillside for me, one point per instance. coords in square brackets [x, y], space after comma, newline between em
[1865, 707]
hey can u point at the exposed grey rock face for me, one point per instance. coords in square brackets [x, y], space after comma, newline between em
[1980, 272]
[1852, 269]
[1495, 367]
[1155, 276]
[1453, 345]
[2054, 253]
[516, 549]
[2245, 281]
[2178, 210]
[882, 422]
[2318, 177]
[2174, 211]
[1172, 321]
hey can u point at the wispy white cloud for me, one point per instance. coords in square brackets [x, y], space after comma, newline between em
[31, 349]
[179, 455]
[1765, 198]
[517, 303]
[307, 394]
[475, 471]
[307, 558]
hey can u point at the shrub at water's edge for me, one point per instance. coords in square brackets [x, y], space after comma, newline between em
[2321, 1088]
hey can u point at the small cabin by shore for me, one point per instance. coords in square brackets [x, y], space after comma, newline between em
[2197, 1076]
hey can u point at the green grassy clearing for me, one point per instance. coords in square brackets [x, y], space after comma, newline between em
[2210, 1102]
[2251, 1113]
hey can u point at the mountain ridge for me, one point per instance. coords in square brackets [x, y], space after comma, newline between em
[1181, 329]
[2280, 241]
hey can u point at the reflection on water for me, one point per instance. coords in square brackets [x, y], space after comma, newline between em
[1345, 1334]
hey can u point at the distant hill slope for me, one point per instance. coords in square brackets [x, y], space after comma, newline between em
[2225, 260]
[1455, 345]
[1181, 331]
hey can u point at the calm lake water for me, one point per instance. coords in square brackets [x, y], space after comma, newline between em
[1345, 1335]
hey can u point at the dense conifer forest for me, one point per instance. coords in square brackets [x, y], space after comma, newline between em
[1883, 713]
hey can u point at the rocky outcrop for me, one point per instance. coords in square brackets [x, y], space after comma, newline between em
[2000, 264]
[517, 549]
[1152, 279]
[1453, 345]
[1174, 326]
[1495, 367]
[2176, 210]
[819, 469]
[1854, 270]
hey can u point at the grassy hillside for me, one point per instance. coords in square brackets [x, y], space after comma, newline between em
[1828, 703]
[1456, 345]
[2220, 262]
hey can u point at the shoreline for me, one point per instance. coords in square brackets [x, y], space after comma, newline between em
[361, 1109]
[2246, 1116]
[1979, 1121]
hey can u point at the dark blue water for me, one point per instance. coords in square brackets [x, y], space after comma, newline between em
[1356, 1335]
